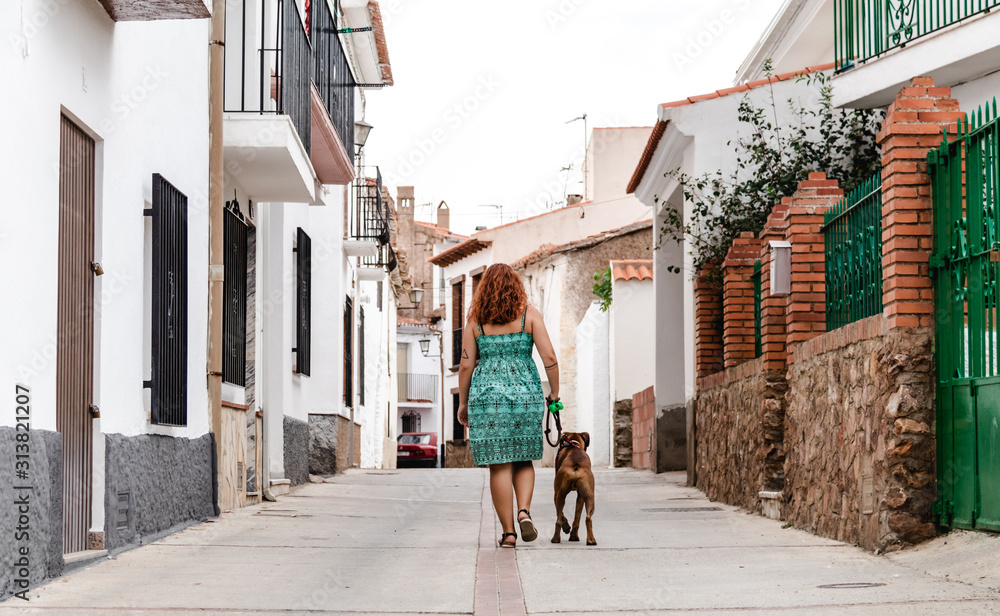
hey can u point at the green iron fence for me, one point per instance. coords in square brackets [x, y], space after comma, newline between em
[864, 29]
[757, 347]
[965, 267]
[852, 234]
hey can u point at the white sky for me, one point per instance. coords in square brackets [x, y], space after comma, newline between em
[483, 89]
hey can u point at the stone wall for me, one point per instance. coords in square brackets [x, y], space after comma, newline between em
[860, 411]
[329, 444]
[42, 514]
[622, 455]
[739, 422]
[296, 446]
[155, 485]
[458, 454]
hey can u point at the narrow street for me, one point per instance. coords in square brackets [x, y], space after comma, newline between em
[423, 542]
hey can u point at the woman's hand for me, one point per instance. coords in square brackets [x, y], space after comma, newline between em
[463, 415]
[550, 399]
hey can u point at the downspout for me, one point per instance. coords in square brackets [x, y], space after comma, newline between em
[217, 49]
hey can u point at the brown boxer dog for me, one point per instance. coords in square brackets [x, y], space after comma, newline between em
[573, 474]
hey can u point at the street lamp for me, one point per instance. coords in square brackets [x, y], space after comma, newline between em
[416, 295]
[361, 130]
[425, 347]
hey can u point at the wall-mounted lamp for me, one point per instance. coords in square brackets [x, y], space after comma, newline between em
[361, 130]
[416, 295]
[96, 268]
[425, 347]
[781, 267]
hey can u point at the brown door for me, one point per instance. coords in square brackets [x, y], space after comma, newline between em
[75, 330]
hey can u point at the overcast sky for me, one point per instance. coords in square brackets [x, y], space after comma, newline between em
[483, 89]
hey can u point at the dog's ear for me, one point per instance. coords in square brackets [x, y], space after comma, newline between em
[586, 440]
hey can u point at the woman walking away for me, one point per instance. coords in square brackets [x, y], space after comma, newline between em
[502, 401]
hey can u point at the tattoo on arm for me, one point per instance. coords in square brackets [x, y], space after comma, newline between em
[465, 354]
[552, 366]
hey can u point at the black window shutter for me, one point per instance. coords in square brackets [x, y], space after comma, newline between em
[361, 356]
[303, 307]
[234, 302]
[168, 374]
[457, 429]
[348, 360]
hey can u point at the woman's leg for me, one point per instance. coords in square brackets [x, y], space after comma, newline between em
[502, 493]
[524, 485]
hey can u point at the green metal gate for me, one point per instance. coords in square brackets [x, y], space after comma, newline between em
[965, 264]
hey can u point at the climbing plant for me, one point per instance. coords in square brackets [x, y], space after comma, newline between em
[771, 159]
[602, 288]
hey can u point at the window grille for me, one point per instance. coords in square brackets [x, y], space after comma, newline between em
[168, 374]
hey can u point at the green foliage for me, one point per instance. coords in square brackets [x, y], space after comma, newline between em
[770, 162]
[602, 288]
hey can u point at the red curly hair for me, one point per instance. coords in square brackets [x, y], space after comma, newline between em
[500, 297]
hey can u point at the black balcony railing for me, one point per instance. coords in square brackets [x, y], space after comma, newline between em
[417, 387]
[332, 73]
[369, 220]
[269, 62]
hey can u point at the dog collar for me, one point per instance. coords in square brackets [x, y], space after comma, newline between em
[568, 443]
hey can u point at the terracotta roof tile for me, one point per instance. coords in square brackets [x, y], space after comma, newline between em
[458, 252]
[647, 156]
[591, 240]
[384, 67]
[632, 270]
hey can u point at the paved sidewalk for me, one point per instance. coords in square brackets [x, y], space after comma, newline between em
[423, 542]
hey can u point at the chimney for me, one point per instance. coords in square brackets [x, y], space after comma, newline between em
[404, 195]
[573, 199]
[443, 216]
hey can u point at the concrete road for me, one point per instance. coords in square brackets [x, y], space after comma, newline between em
[423, 542]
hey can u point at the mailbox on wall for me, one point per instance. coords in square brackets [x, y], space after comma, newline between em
[781, 267]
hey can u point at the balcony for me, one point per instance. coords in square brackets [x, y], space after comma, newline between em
[880, 44]
[417, 387]
[368, 224]
[152, 10]
[289, 100]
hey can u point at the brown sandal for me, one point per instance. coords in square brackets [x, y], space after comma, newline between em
[504, 544]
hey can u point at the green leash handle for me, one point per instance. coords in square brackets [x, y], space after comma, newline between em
[556, 406]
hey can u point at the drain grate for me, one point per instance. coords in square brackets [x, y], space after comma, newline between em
[679, 509]
[852, 585]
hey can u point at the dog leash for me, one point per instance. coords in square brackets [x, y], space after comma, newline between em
[554, 408]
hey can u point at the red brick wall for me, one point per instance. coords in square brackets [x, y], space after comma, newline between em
[737, 300]
[912, 127]
[643, 425]
[708, 327]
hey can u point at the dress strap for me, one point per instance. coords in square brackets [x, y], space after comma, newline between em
[481, 332]
[524, 314]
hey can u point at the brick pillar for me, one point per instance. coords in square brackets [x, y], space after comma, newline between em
[912, 127]
[772, 309]
[805, 316]
[737, 300]
[707, 326]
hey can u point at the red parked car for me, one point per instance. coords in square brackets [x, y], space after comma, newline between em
[417, 449]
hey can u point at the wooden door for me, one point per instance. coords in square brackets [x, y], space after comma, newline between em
[75, 330]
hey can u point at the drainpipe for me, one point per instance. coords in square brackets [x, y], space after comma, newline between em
[217, 58]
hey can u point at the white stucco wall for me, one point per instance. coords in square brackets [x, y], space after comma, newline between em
[593, 381]
[612, 153]
[632, 314]
[148, 112]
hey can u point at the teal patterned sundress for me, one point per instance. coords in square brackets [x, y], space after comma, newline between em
[506, 403]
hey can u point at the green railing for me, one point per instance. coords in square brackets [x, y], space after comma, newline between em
[852, 234]
[757, 347]
[965, 187]
[864, 29]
